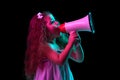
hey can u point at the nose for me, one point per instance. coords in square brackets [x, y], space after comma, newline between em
[57, 23]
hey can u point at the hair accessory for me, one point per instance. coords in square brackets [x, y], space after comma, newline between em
[39, 15]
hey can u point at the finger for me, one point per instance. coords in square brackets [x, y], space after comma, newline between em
[78, 40]
[72, 32]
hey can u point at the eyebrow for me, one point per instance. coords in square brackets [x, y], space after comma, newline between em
[52, 18]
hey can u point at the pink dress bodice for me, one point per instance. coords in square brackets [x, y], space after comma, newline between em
[52, 71]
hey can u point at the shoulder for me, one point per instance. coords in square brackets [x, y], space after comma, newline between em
[54, 46]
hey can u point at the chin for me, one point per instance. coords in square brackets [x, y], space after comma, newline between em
[56, 36]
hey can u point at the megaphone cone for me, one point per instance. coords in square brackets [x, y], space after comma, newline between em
[83, 24]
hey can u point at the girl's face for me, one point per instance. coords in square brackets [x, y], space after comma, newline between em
[52, 25]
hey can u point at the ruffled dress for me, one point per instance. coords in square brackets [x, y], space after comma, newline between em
[52, 71]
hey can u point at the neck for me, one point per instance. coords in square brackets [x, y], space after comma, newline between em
[53, 45]
[52, 41]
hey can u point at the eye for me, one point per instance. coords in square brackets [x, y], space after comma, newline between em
[52, 21]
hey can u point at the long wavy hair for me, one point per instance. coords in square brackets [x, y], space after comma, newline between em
[38, 35]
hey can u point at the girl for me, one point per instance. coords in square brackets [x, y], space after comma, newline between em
[48, 50]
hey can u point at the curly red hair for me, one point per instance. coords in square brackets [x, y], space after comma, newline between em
[36, 37]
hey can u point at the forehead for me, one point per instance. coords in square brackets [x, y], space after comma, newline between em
[50, 17]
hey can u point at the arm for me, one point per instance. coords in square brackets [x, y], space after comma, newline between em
[77, 53]
[60, 58]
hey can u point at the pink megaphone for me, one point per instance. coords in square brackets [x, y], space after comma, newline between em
[83, 24]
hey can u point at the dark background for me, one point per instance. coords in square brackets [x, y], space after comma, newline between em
[20, 13]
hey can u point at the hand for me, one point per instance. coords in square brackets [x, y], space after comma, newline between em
[73, 37]
[78, 39]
